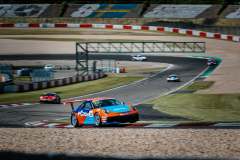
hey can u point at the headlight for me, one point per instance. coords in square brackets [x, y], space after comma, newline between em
[133, 108]
[54, 98]
[41, 97]
[105, 111]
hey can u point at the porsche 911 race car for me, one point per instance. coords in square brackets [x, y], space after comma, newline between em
[138, 58]
[49, 67]
[211, 62]
[50, 97]
[173, 78]
[100, 111]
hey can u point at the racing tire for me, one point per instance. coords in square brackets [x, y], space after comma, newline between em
[74, 121]
[59, 101]
[132, 59]
[97, 120]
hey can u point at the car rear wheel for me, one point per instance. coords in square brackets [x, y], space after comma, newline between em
[75, 121]
[97, 120]
[58, 100]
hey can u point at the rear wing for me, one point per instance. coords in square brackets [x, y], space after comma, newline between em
[83, 100]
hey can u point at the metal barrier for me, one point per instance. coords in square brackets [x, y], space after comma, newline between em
[200, 27]
[108, 65]
[38, 75]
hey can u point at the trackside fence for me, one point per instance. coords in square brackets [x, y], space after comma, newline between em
[38, 75]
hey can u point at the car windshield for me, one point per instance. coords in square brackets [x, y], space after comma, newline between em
[49, 94]
[173, 76]
[49, 66]
[106, 103]
[211, 61]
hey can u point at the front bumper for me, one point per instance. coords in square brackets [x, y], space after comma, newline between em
[47, 100]
[123, 119]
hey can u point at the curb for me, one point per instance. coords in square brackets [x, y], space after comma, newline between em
[17, 105]
[168, 29]
[46, 124]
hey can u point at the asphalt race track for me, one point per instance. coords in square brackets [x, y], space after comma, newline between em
[153, 87]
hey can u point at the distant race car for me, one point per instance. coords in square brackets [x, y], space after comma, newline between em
[174, 78]
[49, 67]
[100, 111]
[50, 97]
[138, 58]
[211, 62]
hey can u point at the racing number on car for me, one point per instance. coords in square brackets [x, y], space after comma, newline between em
[90, 114]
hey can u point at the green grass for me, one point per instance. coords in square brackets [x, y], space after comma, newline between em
[205, 107]
[144, 70]
[72, 90]
[200, 85]
[22, 78]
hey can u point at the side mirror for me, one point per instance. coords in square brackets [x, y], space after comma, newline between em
[123, 103]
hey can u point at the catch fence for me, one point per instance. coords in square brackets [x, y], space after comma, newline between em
[7, 69]
[38, 75]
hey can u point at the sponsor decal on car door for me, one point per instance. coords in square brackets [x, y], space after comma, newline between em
[85, 114]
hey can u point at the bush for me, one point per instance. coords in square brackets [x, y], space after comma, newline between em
[145, 5]
[63, 8]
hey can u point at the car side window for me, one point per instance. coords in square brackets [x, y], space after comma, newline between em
[87, 105]
[81, 106]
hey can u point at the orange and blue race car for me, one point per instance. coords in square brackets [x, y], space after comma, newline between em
[100, 111]
[50, 97]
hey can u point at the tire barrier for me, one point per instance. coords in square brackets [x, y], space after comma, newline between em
[167, 29]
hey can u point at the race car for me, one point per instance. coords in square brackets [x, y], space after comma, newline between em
[49, 67]
[101, 111]
[138, 58]
[174, 78]
[50, 97]
[211, 62]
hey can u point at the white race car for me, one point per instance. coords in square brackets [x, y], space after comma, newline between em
[174, 78]
[138, 58]
[49, 67]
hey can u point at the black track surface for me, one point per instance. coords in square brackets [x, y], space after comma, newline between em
[153, 87]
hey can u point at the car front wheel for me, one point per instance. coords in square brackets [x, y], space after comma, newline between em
[97, 120]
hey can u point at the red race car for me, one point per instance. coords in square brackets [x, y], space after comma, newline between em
[211, 62]
[50, 97]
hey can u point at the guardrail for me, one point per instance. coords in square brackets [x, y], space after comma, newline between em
[52, 83]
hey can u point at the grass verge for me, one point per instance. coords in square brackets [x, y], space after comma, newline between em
[110, 81]
[22, 78]
[200, 85]
[205, 107]
[144, 70]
